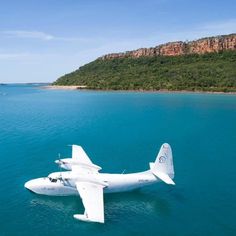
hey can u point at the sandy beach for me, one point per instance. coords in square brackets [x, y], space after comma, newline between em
[70, 87]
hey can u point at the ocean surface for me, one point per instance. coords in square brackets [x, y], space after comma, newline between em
[120, 131]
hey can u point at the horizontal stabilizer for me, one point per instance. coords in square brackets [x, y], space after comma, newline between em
[164, 177]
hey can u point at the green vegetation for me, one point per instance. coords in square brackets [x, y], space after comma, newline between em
[207, 72]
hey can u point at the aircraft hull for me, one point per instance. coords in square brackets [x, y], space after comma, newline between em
[114, 182]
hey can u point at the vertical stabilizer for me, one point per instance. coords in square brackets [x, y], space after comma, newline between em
[163, 166]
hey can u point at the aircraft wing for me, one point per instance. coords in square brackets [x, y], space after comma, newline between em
[81, 162]
[78, 154]
[92, 198]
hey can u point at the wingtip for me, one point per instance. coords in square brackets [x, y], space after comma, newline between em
[86, 219]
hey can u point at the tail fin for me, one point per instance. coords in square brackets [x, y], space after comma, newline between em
[163, 167]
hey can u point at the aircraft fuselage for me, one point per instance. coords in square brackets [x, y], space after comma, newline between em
[63, 183]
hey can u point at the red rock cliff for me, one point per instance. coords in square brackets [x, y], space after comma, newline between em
[200, 46]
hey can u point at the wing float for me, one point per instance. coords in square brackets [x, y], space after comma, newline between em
[91, 192]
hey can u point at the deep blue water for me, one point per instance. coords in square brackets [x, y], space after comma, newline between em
[119, 131]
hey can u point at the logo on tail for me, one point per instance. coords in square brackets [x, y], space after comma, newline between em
[162, 159]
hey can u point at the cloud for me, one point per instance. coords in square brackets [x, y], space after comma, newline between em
[28, 34]
[39, 35]
[197, 31]
[228, 26]
[13, 56]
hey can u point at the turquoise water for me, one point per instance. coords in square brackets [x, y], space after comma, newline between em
[119, 131]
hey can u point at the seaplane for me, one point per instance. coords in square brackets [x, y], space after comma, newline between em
[83, 178]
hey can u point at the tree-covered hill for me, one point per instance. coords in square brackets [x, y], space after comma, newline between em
[206, 72]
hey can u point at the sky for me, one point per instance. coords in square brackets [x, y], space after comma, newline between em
[43, 40]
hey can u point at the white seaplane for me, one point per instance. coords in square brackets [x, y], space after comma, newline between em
[83, 178]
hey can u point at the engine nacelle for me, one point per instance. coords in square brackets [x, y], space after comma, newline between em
[64, 163]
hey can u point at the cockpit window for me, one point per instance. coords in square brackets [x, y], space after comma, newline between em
[52, 180]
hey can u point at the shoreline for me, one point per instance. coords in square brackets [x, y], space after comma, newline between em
[83, 87]
[64, 87]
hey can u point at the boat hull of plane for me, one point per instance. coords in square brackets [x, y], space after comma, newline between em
[115, 183]
[44, 187]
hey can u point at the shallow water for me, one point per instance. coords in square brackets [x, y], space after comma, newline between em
[119, 131]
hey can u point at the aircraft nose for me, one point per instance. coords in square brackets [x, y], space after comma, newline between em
[30, 185]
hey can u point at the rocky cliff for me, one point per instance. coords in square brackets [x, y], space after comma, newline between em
[200, 46]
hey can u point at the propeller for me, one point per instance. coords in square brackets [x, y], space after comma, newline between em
[59, 161]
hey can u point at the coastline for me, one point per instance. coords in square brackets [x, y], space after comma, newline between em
[83, 87]
[64, 87]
